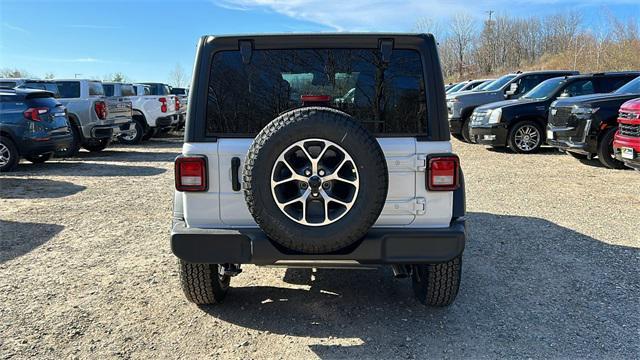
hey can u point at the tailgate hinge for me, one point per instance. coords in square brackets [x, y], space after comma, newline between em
[416, 206]
[417, 162]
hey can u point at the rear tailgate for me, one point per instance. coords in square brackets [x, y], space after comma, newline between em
[119, 109]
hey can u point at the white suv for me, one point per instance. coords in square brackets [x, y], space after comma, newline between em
[318, 151]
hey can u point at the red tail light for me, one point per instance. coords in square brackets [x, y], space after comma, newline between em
[443, 173]
[33, 114]
[191, 173]
[177, 103]
[163, 107]
[101, 109]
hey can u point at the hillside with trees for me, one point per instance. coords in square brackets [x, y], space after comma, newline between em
[501, 44]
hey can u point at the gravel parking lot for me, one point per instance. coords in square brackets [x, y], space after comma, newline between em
[550, 271]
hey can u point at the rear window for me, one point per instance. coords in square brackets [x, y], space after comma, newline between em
[388, 99]
[127, 90]
[69, 89]
[95, 89]
[159, 89]
[51, 87]
[178, 91]
[108, 89]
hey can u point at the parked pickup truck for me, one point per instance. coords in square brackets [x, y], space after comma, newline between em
[520, 124]
[626, 144]
[460, 105]
[95, 119]
[149, 112]
[584, 126]
[183, 96]
[23, 83]
[163, 93]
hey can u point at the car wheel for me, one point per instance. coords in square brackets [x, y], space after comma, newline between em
[605, 150]
[466, 134]
[437, 284]
[74, 147]
[9, 156]
[96, 145]
[315, 180]
[525, 137]
[39, 159]
[458, 137]
[204, 284]
[134, 136]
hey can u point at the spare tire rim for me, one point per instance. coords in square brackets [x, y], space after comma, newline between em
[5, 155]
[315, 182]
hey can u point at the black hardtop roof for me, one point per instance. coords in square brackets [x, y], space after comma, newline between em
[27, 93]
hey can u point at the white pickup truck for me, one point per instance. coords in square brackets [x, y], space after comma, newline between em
[150, 112]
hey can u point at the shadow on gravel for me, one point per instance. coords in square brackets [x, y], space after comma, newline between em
[17, 239]
[17, 188]
[544, 150]
[127, 156]
[530, 288]
[86, 169]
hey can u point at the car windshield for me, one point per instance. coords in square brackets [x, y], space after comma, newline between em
[632, 87]
[456, 87]
[496, 85]
[545, 89]
[483, 86]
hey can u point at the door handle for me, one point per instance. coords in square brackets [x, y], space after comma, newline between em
[235, 176]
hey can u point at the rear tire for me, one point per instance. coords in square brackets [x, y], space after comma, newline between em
[437, 284]
[605, 150]
[202, 284]
[74, 147]
[134, 138]
[39, 159]
[151, 132]
[96, 145]
[9, 156]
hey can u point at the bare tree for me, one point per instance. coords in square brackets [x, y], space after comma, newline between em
[177, 77]
[49, 76]
[14, 73]
[462, 36]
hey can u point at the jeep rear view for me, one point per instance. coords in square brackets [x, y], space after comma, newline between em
[318, 151]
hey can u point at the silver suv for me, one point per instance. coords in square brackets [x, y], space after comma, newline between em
[318, 151]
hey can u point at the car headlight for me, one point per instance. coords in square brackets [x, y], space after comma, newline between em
[495, 116]
[581, 110]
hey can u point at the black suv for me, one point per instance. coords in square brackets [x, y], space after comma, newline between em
[33, 125]
[318, 151]
[585, 126]
[520, 124]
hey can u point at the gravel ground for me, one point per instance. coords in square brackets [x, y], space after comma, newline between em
[550, 271]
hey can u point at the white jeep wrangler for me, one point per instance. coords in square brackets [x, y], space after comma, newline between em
[318, 151]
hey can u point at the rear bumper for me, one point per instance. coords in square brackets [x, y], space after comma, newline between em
[108, 131]
[166, 121]
[489, 135]
[379, 246]
[32, 147]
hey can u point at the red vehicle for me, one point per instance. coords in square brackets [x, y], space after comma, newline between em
[626, 145]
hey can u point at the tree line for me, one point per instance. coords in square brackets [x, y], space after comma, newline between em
[472, 49]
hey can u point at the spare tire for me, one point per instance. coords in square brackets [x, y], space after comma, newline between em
[315, 180]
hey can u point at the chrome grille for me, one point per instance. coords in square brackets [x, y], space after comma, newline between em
[629, 115]
[559, 116]
[632, 130]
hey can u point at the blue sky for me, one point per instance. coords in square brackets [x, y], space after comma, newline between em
[146, 39]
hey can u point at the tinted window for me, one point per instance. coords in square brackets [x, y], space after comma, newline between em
[51, 87]
[456, 87]
[577, 88]
[127, 90]
[178, 91]
[528, 82]
[611, 83]
[8, 84]
[632, 87]
[497, 84]
[108, 89]
[545, 89]
[69, 89]
[95, 89]
[385, 98]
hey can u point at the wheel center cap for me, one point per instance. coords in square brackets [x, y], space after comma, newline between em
[315, 182]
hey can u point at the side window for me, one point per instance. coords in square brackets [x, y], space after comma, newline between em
[582, 87]
[388, 99]
[95, 89]
[108, 89]
[127, 90]
[147, 90]
[609, 84]
[69, 89]
[527, 83]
